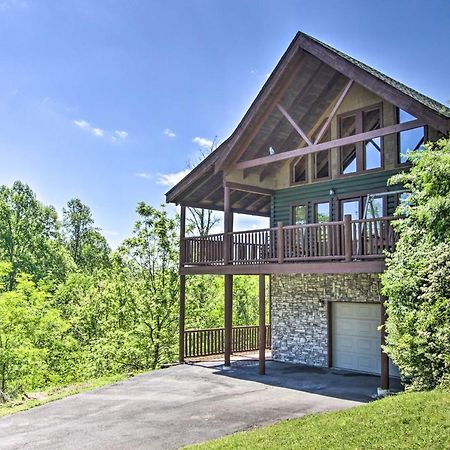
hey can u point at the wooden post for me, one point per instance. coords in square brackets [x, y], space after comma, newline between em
[262, 324]
[227, 221]
[348, 247]
[280, 242]
[228, 318]
[182, 305]
[384, 356]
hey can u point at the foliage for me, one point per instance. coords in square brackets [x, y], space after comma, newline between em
[72, 310]
[29, 238]
[417, 279]
[35, 347]
[86, 245]
[413, 420]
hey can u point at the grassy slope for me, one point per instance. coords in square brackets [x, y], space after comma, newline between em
[406, 421]
[56, 393]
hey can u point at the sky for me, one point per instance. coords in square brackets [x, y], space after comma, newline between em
[109, 101]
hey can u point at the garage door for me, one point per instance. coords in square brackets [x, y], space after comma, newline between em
[355, 337]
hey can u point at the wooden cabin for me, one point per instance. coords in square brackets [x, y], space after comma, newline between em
[313, 153]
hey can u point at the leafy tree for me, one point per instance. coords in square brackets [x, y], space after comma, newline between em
[88, 248]
[34, 343]
[29, 235]
[417, 279]
[151, 255]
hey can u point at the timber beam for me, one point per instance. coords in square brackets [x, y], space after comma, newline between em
[330, 144]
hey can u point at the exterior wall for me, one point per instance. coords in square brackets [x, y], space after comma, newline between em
[299, 311]
[284, 199]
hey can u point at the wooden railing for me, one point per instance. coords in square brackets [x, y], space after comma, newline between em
[345, 240]
[211, 341]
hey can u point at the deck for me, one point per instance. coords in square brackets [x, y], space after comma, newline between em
[332, 247]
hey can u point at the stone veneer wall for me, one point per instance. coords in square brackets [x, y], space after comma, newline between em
[300, 312]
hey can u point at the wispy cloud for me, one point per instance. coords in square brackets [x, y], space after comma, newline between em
[84, 125]
[169, 133]
[203, 142]
[115, 136]
[120, 134]
[171, 179]
[143, 175]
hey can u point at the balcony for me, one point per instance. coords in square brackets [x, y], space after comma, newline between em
[333, 247]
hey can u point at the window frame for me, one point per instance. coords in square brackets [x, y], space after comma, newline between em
[399, 163]
[292, 171]
[360, 146]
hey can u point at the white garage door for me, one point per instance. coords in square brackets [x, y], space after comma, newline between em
[355, 337]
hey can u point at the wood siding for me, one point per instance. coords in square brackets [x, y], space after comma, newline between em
[284, 199]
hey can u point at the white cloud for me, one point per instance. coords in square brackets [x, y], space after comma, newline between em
[171, 179]
[203, 142]
[84, 125]
[121, 134]
[143, 175]
[98, 132]
[169, 133]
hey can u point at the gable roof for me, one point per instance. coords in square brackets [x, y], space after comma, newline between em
[207, 177]
[410, 92]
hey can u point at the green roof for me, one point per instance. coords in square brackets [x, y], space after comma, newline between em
[427, 101]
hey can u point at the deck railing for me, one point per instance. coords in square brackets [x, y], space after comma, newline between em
[211, 341]
[345, 240]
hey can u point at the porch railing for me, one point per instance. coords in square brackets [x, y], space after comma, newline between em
[211, 341]
[345, 240]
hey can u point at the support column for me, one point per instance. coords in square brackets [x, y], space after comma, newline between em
[227, 228]
[384, 356]
[228, 318]
[182, 305]
[262, 324]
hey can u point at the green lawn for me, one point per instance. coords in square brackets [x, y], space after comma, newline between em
[55, 393]
[406, 421]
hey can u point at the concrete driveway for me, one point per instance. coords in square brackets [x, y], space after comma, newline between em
[181, 405]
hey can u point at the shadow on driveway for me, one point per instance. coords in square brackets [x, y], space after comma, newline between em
[341, 384]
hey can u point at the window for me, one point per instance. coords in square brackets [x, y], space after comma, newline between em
[299, 214]
[299, 170]
[374, 207]
[351, 207]
[322, 212]
[348, 152]
[372, 148]
[408, 140]
[322, 159]
[366, 155]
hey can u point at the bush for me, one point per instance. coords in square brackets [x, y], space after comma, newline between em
[417, 279]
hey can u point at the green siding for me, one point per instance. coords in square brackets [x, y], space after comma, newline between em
[371, 182]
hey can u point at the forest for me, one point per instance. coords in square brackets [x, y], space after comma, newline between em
[71, 309]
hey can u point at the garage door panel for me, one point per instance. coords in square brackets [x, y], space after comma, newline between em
[356, 338]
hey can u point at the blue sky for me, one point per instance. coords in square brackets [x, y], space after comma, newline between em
[109, 100]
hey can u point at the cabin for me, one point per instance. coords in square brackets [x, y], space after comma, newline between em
[313, 153]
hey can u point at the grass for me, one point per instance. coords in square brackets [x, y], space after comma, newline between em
[415, 420]
[55, 393]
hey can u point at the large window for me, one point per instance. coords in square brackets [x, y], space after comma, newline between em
[408, 140]
[366, 155]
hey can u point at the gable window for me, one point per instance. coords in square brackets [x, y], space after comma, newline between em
[408, 140]
[365, 155]
[322, 159]
[348, 152]
[372, 148]
[300, 170]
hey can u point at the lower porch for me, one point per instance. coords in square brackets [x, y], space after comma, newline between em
[327, 321]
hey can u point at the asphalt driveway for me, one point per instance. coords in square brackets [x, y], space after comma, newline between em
[181, 405]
